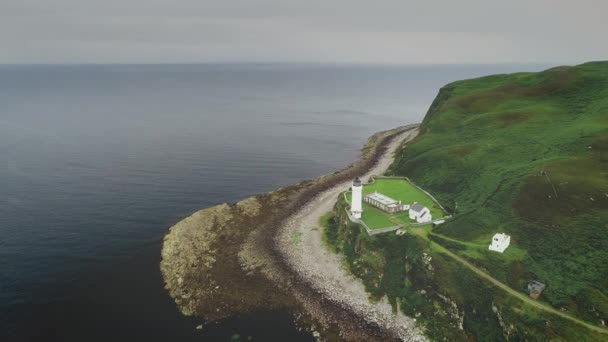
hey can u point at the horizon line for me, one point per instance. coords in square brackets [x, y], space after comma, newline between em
[283, 63]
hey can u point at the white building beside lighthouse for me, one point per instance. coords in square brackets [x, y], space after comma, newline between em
[420, 213]
[356, 205]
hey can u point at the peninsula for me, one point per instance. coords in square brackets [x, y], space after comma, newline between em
[266, 252]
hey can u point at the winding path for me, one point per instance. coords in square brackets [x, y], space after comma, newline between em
[506, 288]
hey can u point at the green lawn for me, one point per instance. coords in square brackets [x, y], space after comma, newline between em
[375, 218]
[399, 189]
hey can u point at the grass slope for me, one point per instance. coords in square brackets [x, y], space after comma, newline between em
[525, 154]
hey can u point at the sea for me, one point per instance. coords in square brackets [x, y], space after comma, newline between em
[98, 161]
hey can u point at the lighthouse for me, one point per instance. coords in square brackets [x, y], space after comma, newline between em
[357, 198]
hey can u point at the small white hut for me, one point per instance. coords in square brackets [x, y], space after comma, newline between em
[500, 242]
[420, 213]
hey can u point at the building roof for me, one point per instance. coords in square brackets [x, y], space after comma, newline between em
[500, 237]
[535, 285]
[357, 182]
[381, 198]
[417, 207]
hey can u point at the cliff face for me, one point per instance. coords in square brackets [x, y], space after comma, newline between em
[525, 154]
[400, 268]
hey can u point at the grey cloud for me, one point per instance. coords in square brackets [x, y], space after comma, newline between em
[355, 31]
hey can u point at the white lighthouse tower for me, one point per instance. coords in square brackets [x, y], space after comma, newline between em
[357, 199]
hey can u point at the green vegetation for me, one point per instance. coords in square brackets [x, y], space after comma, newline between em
[330, 231]
[525, 154]
[478, 249]
[296, 239]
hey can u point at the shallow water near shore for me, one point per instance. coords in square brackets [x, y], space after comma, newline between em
[100, 160]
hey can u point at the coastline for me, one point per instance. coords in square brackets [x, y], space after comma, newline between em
[212, 258]
[323, 270]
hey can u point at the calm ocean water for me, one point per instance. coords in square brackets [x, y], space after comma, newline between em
[98, 162]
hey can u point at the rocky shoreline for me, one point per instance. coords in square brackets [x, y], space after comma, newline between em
[323, 269]
[235, 258]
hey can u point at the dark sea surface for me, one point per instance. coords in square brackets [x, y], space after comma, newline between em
[99, 161]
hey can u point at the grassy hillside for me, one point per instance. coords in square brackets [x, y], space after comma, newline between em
[525, 154]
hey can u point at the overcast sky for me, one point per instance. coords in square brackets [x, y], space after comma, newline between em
[335, 31]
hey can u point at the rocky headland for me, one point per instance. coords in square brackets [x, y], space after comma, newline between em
[266, 252]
